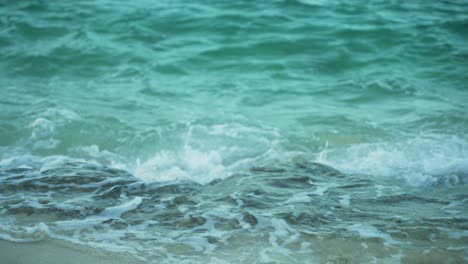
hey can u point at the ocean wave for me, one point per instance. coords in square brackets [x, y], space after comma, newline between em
[438, 160]
[279, 206]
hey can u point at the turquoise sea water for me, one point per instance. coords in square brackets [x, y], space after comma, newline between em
[237, 131]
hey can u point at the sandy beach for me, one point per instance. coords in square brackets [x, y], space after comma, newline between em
[58, 252]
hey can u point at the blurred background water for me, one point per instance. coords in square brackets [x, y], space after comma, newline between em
[218, 99]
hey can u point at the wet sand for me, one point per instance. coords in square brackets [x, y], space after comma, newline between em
[58, 252]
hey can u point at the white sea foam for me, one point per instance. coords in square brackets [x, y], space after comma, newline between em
[300, 198]
[282, 231]
[36, 162]
[199, 166]
[11, 232]
[62, 113]
[321, 189]
[46, 125]
[198, 243]
[314, 2]
[209, 153]
[42, 127]
[117, 211]
[345, 200]
[420, 161]
[43, 132]
[366, 231]
[94, 220]
[14, 239]
[106, 157]
[189, 164]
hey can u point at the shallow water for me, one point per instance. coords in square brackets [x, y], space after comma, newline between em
[239, 132]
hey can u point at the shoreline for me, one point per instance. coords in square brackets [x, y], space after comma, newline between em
[52, 251]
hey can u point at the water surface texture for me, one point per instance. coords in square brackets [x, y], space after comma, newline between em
[293, 131]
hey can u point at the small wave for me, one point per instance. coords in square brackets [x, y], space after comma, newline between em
[211, 152]
[10, 232]
[189, 164]
[276, 210]
[422, 161]
[46, 125]
[372, 232]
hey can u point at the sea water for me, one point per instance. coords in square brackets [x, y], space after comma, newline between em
[282, 131]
